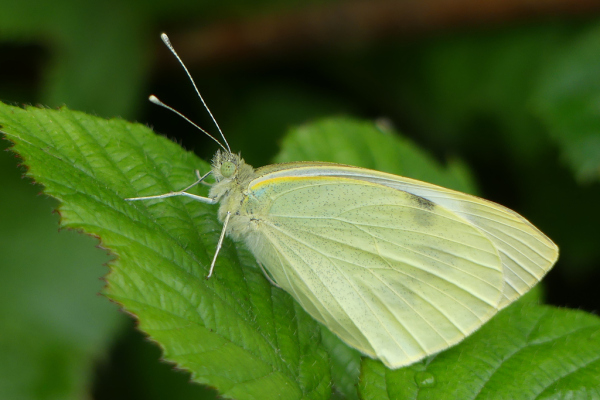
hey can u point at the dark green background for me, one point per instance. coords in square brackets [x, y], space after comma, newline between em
[518, 102]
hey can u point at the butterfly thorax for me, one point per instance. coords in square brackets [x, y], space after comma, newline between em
[232, 176]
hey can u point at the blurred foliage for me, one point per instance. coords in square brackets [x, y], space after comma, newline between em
[138, 371]
[517, 104]
[568, 102]
[54, 325]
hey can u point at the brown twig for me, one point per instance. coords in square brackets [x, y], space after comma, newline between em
[360, 21]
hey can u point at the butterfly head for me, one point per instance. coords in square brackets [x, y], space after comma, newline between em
[229, 166]
[232, 176]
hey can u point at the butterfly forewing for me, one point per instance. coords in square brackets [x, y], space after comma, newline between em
[393, 274]
[526, 253]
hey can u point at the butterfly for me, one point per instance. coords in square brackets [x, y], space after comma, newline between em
[397, 268]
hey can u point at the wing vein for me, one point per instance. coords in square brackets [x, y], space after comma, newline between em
[526, 269]
[380, 226]
[353, 286]
[431, 286]
[313, 293]
[502, 213]
[518, 229]
[413, 265]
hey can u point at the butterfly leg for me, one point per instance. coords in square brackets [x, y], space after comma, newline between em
[219, 244]
[267, 275]
[183, 192]
[201, 179]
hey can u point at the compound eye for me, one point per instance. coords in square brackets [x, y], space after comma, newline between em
[227, 169]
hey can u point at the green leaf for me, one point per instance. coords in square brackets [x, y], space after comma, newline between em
[526, 352]
[568, 102]
[345, 368]
[235, 331]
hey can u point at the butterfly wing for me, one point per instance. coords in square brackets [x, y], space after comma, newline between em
[392, 274]
[526, 253]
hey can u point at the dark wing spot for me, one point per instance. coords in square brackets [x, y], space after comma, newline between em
[422, 202]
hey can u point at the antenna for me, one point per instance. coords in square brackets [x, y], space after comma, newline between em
[156, 101]
[167, 42]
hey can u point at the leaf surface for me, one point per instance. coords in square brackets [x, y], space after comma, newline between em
[235, 331]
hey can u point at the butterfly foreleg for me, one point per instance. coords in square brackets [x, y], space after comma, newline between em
[182, 192]
[201, 179]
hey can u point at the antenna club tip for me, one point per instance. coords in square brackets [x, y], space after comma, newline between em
[154, 99]
[165, 38]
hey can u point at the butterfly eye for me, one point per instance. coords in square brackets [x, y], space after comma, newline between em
[227, 169]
